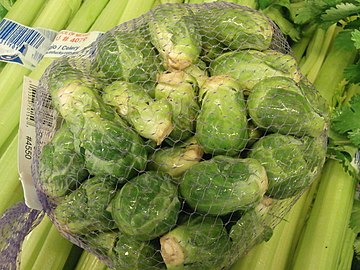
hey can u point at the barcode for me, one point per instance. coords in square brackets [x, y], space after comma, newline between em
[15, 35]
[46, 111]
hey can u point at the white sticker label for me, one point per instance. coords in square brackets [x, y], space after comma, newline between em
[67, 43]
[23, 45]
[27, 138]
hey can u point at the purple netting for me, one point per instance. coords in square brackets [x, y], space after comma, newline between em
[15, 224]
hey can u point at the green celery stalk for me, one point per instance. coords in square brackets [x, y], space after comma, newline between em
[54, 252]
[55, 15]
[87, 15]
[33, 243]
[315, 67]
[347, 250]
[135, 9]
[275, 253]
[299, 48]
[110, 15]
[320, 243]
[9, 177]
[331, 75]
[89, 261]
[21, 13]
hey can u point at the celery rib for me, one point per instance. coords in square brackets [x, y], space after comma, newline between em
[319, 246]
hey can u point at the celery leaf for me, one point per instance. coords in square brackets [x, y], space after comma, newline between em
[346, 120]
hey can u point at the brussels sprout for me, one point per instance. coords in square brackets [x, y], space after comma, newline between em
[85, 209]
[200, 243]
[128, 56]
[180, 90]
[132, 254]
[278, 105]
[221, 126]
[290, 163]
[61, 169]
[251, 229]
[101, 242]
[152, 119]
[175, 34]
[147, 206]
[177, 159]
[198, 71]
[111, 147]
[251, 66]
[235, 28]
[224, 184]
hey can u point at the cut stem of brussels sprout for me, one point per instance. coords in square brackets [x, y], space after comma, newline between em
[177, 159]
[171, 250]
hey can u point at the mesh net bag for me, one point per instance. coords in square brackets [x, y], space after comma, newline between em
[178, 140]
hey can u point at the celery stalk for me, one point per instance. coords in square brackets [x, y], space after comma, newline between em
[275, 253]
[347, 250]
[315, 68]
[33, 243]
[110, 15]
[53, 253]
[331, 73]
[89, 261]
[87, 15]
[135, 9]
[9, 178]
[55, 16]
[320, 243]
[21, 13]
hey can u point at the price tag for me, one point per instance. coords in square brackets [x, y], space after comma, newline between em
[67, 43]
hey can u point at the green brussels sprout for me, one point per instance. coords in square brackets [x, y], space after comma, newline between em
[221, 126]
[235, 28]
[290, 163]
[85, 209]
[251, 229]
[102, 242]
[200, 243]
[177, 159]
[277, 104]
[251, 66]
[147, 206]
[110, 145]
[180, 90]
[132, 254]
[198, 71]
[152, 119]
[174, 32]
[127, 56]
[224, 184]
[61, 168]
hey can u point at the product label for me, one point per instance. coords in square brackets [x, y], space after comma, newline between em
[67, 43]
[23, 45]
[27, 137]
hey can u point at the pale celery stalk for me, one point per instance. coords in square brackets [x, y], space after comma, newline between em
[274, 254]
[33, 243]
[55, 15]
[110, 15]
[9, 178]
[54, 252]
[315, 68]
[313, 50]
[21, 13]
[347, 250]
[320, 243]
[331, 74]
[87, 15]
[135, 9]
[89, 261]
